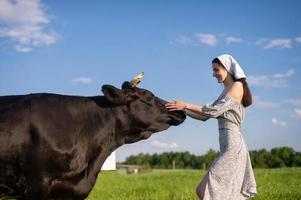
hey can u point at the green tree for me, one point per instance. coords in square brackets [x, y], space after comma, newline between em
[277, 157]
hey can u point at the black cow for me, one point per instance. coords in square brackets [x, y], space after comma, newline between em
[53, 146]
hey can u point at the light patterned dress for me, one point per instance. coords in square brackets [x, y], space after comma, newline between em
[230, 177]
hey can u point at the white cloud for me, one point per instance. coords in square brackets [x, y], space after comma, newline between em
[207, 38]
[22, 49]
[261, 41]
[275, 80]
[278, 122]
[295, 102]
[289, 73]
[264, 104]
[231, 39]
[159, 144]
[183, 39]
[24, 23]
[212, 40]
[297, 113]
[278, 43]
[83, 80]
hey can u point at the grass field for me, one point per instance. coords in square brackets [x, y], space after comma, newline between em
[272, 184]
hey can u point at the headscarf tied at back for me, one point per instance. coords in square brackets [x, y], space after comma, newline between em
[232, 66]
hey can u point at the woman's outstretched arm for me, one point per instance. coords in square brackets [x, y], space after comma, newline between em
[195, 115]
[181, 105]
[192, 110]
[209, 110]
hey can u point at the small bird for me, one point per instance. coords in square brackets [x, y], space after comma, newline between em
[137, 79]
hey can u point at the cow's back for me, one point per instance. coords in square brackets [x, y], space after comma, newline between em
[14, 110]
[14, 114]
[40, 137]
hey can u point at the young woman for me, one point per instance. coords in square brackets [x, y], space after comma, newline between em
[230, 177]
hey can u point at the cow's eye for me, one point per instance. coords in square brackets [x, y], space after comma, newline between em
[149, 98]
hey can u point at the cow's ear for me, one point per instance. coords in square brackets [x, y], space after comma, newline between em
[113, 94]
[129, 91]
[127, 87]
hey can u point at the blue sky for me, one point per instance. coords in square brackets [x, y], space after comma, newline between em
[74, 47]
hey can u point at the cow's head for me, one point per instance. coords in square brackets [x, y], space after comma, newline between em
[146, 113]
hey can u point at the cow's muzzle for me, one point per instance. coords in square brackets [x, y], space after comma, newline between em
[177, 117]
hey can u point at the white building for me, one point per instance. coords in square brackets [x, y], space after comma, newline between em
[110, 163]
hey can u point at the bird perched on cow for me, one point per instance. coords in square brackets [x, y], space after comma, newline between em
[53, 146]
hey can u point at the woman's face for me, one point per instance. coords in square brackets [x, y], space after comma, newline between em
[219, 72]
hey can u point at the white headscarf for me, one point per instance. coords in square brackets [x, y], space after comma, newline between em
[232, 66]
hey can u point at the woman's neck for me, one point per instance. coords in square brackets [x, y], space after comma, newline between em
[228, 82]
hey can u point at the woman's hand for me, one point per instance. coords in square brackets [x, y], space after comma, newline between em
[175, 105]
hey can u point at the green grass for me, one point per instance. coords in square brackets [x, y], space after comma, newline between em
[272, 184]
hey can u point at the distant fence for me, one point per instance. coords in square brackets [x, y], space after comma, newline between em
[130, 169]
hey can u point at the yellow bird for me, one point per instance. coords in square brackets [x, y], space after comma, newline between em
[137, 79]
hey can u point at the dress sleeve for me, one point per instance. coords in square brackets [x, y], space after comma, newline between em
[218, 107]
[195, 115]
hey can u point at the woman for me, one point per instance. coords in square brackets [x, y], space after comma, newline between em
[231, 175]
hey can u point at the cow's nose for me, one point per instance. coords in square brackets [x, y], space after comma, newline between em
[177, 117]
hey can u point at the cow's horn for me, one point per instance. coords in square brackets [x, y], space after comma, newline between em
[137, 79]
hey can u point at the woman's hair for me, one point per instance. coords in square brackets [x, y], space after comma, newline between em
[247, 97]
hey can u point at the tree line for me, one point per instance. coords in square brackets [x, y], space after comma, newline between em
[276, 157]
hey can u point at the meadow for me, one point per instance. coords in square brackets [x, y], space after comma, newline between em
[272, 184]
